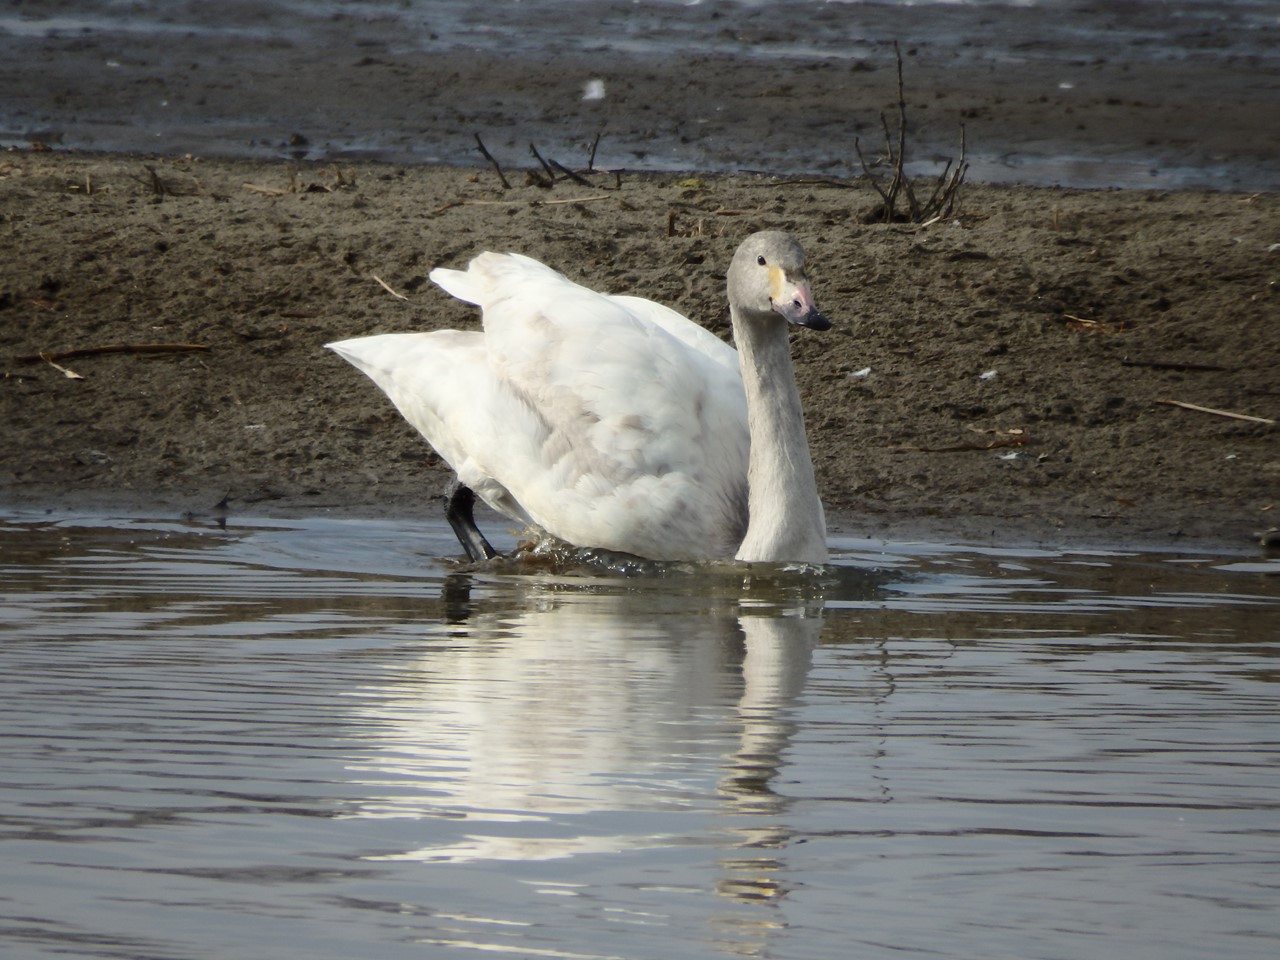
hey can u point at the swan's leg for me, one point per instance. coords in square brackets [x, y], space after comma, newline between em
[459, 502]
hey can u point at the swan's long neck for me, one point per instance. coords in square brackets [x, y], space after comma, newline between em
[785, 520]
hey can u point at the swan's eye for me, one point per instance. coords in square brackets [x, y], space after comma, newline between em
[760, 260]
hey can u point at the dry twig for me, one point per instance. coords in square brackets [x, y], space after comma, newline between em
[591, 157]
[269, 191]
[1090, 325]
[50, 355]
[1217, 413]
[575, 177]
[157, 185]
[385, 286]
[69, 374]
[551, 174]
[506, 203]
[1015, 437]
[946, 188]
[489, 156]
[548, 203]
[1178, 365]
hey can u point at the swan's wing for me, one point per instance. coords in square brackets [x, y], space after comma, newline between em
[683, 329]
[441, 383]
[639, 441]
[492, 276]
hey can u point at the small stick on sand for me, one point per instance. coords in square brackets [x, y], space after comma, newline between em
[507, 203]
[591, 157]
[489, 156]
[866, 169]
[269, 191]
[157, 185]
[576, 178]
[996, 444]
[385, 286]
[547, 203]
[1175, 365]
[48, 356]
[806, 181]
[900, 171]
[1217, 413]
[551, 174]
[69, 374]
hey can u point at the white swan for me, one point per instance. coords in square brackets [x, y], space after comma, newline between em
[613, 421]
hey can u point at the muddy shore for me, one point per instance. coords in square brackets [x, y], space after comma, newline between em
[1001, 375]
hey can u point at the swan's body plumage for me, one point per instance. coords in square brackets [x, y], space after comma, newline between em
[606, 421]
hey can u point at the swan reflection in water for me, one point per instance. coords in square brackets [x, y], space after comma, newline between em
[540, 727]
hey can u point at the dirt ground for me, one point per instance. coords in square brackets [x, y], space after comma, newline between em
[999, 375]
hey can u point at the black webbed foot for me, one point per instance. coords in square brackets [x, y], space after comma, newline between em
[459, 504]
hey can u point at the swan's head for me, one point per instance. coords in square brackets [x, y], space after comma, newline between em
[767, 277]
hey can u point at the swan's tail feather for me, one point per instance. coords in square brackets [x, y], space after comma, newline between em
[458, 283]
[489, 274]
[361, 352]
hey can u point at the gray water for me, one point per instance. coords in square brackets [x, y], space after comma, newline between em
[319, 740]
[216, 77]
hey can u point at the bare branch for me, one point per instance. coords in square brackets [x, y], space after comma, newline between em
[488, 156]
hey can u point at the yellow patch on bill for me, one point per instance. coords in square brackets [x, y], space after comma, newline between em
[776, 280]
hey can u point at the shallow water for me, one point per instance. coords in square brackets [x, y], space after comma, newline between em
[316, 739]
[169, 65]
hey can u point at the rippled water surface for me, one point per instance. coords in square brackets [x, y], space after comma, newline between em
[317, 740]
